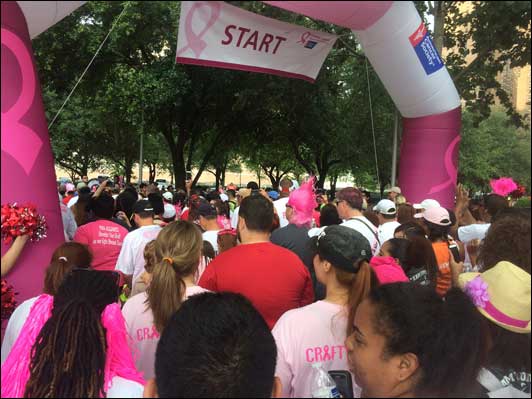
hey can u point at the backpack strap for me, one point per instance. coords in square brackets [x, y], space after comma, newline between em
[369, 228]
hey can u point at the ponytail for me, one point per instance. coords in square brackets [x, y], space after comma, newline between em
[68, 256]
[59, 367]
[177, 253]
[360, 285]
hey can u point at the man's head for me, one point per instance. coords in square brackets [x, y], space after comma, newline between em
[215, 345]
[143, 189]
[231, 194]
[157, 202]
[286, 185]
[207, 217]
[255, 216]
[169, 214]
[103, 206]
[386, 211]
[143, 213]
[393, 193]
[493, 204]
[349, 199]
[85, 179]
[252, 185]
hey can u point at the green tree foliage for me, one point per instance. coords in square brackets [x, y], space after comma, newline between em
[498, 33]
[493, 149]
[210, 119]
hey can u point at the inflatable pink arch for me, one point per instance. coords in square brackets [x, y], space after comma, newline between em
[394, 40]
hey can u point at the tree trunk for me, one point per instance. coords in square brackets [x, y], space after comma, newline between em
[223, 175]
[206, 158]
[128, 169]
[153, 169]
[334, 180]
[439, 22]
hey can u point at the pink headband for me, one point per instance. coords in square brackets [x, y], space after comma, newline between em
[119, 361]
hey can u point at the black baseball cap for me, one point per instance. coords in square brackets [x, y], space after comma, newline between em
[142, 206]
[342, 246]
[207, 210]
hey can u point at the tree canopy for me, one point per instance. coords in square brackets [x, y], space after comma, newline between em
[214, 119]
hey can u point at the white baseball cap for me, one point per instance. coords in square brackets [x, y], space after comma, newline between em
[168, 196]
[385, 207]
[427, 204]
[224, 197]
[169, 211]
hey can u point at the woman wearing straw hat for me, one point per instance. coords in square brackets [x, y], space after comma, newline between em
[502, 295]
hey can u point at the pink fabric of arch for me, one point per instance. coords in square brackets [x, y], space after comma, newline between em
[357, 15]
[27, 162]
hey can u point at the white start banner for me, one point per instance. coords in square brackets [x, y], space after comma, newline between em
[216, 34]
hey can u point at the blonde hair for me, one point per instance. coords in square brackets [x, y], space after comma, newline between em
[177, 254]
[400, 199]
[149, 256]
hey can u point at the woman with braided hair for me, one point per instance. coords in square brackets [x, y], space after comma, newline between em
[66, 257]
[74, 344]
[178, 249]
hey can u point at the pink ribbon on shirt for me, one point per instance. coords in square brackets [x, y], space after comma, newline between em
[195, 42]
[18, 140]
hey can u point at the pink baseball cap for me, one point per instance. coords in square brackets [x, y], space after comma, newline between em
[437, 215]
[70, 187]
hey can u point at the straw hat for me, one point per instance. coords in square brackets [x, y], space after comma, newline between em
[502, 295]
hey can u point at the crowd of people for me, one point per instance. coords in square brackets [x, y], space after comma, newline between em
[243, 292]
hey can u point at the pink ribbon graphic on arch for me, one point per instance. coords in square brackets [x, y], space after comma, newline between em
[195, 42]
[449, 167]
[18, 140]
[304, 37]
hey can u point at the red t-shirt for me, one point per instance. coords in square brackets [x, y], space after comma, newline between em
[104, 239]
[273, 278]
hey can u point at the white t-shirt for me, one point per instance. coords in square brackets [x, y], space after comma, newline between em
[473, 231]
[122, 388]
[14, 326]
[131, 258]
[385, 232]
[141, 328]
[73, 201]
[234, 218]
[314, 333]
[367, 229]
[212, 237]
[280, 207]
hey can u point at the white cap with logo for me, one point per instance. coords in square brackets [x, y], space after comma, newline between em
[385, 207]
[427, 204]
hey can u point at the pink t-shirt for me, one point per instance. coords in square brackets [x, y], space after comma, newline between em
[312, 334]
[104, 239]
[142, 331]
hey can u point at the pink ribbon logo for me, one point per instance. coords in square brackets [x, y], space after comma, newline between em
[304, 37]
[18, 140]
[195, 42]
[449, 167]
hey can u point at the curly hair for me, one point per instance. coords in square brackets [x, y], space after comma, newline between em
[508, 239]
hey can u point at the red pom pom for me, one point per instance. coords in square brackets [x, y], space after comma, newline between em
[22, 220]
[8, 300]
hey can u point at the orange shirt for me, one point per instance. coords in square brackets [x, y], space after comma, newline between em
[444, 278]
